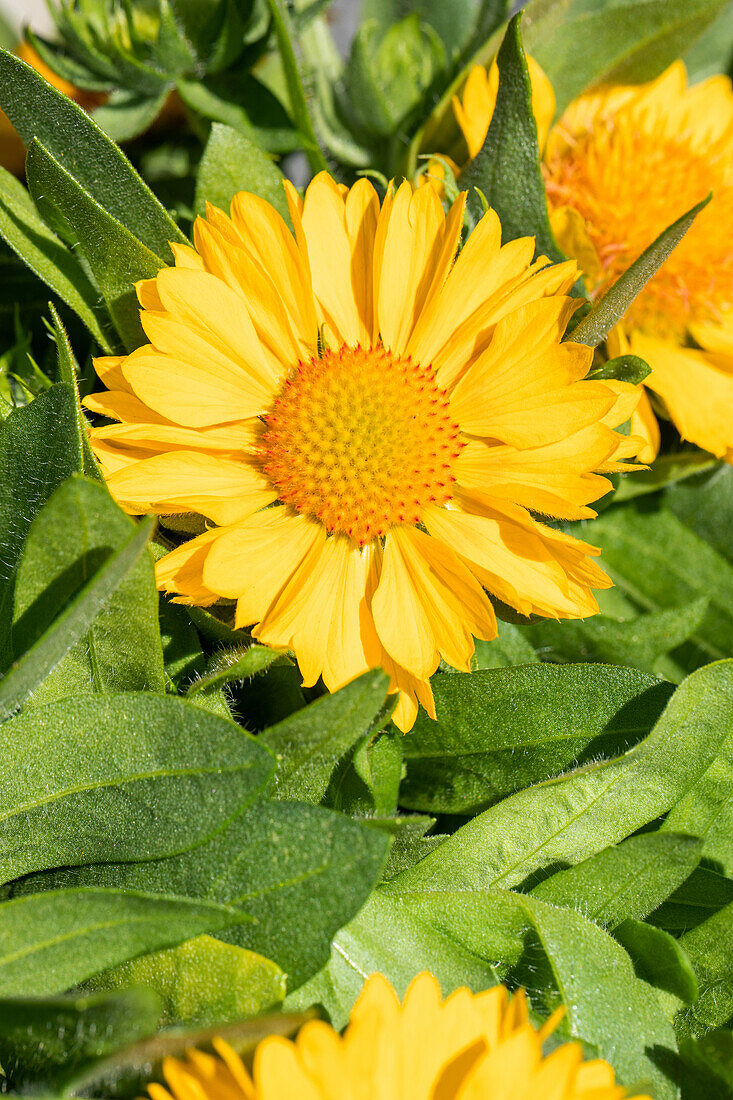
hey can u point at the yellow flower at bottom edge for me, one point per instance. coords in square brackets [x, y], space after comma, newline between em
[368, 422]
[469, 1047]
[621, 164]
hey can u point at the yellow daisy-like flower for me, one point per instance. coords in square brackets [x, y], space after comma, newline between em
[620, 165]
[469, 1047]
[367, 421]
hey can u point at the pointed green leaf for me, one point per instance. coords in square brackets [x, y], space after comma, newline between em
[510, 154]
[117, 259]
[26, 674]
[39, 111]
[607, 313]
[51, 941]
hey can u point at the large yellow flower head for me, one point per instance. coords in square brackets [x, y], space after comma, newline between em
[366, 422]
[620, 165]
[469, 1047]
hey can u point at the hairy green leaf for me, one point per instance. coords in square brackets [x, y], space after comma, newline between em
[118, 777]
[309, 744]
[502, 729]
[507, 167]
[299, 871]
[70, 538]
[51, 941]
[607, 312]
[99, 167]
[116, 257]
[568, 819]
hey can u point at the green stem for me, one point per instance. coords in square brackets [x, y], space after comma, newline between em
[296, 91]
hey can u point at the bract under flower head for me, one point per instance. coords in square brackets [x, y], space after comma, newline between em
[468, 1047]
[368, 422]
[620, 165]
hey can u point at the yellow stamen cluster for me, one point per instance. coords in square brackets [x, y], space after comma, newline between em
[362, 440]
[628, 189]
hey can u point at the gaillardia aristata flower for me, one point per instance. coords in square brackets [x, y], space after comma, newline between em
[623, 163]
[367, 423]
[469, 1047]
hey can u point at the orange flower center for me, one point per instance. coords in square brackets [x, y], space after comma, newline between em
[362, 440]
[629, 185]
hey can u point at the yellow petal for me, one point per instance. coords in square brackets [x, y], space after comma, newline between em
[428, 603]
[697, 389]
[330, 254]
[207, 304]
[188, 481]
[253, 561]
[181, 571]
[322, 615]
[195, 396]
[409, 262]
[554, 480]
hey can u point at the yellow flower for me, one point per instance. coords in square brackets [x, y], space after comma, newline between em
[469, 1047]
[402, 410]
[620, 165]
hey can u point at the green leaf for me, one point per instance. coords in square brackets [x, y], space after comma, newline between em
[28, 673]
[51, 941]
[39, 111]
[47, 257]
[710, 949]
[299, 871]
[704, 893]
[39, 448]
[568, 819]
[708, 1066]
[500, 730]
[667, 471]
[117, 258]
[230, 665]
[117, 777]
[713, 51]
[607, 313]
[707, 809]
[309, 744]
[639, 642]
[509, 647]
[635, 540]
[70, 538]
[511, 153]
[49, 1039]
[232, 163]
[201, 982]
[705, 505]
[585, 42]
[626, 368]
[626, 881]
[69, 373]
[659, 959]
[127, 114]
[366, 782]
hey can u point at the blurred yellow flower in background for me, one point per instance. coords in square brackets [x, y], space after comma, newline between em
[620, 165]
[369, 422]
[471, 1046]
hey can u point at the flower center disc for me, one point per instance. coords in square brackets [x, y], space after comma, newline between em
[362, 440]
